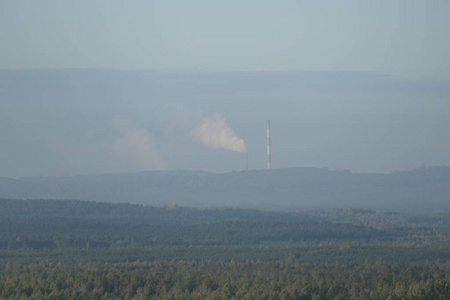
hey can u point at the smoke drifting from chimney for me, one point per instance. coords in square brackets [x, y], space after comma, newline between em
[213, 132]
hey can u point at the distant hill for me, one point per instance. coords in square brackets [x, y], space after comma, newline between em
[419, 190]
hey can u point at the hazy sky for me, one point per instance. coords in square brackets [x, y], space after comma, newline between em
[404, 38]
[145, 85]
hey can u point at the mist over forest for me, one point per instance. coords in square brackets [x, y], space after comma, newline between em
[338, 139]
[293, 189]
[224, 150]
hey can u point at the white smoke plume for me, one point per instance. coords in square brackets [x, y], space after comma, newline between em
[213, 132]
[137, 146]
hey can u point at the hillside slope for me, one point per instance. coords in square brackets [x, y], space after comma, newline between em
[424, 189]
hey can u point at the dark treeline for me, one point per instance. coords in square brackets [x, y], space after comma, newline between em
[88, 250]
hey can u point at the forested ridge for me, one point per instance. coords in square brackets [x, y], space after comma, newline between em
[420, 190]
[63, 249]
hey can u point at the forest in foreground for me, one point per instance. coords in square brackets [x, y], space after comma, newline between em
[66, 249]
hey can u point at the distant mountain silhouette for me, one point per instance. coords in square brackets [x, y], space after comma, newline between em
[424, 189]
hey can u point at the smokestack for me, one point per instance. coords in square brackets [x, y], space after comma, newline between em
[268, 144]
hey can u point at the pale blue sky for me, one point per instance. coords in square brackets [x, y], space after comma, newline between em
[400, 38]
